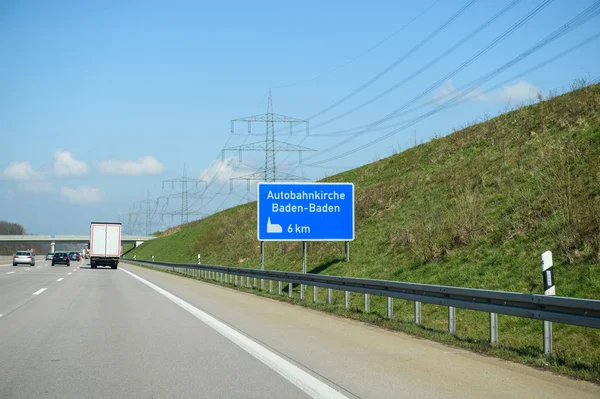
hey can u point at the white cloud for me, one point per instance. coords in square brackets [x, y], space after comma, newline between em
[82, 195]
[65, 164]
[518, 92]
[20, 171]
[38, 187]
[223, 170]
[144, 166]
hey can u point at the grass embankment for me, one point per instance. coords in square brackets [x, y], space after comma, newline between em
[473, 209]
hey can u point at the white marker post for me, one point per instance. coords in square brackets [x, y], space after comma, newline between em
[199, 262]
[152, 258]
[548, 275]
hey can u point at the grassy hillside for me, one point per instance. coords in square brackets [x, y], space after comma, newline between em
[475, 209]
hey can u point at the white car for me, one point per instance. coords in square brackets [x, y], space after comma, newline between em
[24, 257]
[49, 255]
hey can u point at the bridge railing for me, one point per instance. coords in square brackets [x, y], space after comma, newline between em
[573, 311]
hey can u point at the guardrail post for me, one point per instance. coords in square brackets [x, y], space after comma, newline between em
[418, 313]
[329, 296]
[302, 291]
[452, 320]
[280, 288]
[390, 307]
[236, 281]
[367, 303]
[254, 283]
[494, 328]
[242, 281]
[270, 286]
[315, 294]
[549, 289]
[291, 288]
[347, 299]
[247, 282]
[230, 278]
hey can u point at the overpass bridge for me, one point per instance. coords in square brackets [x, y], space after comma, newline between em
[73, 239]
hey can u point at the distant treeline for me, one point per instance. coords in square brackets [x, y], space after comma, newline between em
[9, 228]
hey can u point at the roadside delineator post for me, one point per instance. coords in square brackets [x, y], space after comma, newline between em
[152, 258]
[199, 262]
[549, 289]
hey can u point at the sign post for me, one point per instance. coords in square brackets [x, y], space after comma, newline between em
[262, 263]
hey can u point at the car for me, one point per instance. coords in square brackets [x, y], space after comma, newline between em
[49, 255]
[24, 257]
[61, 257]
[74, 256]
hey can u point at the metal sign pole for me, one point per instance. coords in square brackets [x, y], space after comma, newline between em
[262, 263]
[302, 286]
[262, 255]
[347, 251]
[303, 256]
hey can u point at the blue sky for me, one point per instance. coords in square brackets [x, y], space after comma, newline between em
[103, 100]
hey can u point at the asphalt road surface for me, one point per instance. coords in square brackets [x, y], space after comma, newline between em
[74, 332]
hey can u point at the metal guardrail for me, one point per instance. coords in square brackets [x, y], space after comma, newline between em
[573, 311]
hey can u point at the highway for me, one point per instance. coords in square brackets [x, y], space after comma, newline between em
[74, 332]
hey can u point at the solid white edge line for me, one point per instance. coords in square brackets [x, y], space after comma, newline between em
[312, 386]
[39, 291]
[60, 279]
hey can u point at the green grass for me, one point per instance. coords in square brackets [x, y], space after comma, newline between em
[473, 209]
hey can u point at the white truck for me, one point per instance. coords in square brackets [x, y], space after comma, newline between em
[105, 244]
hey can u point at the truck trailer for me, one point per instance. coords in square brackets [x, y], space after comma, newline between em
[105, 244]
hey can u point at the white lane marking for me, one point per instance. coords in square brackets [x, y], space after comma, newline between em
[27, 269]
[68, 274]
[60, 279]
[75, 269]
[10, 272]
[39, 267]
[0, 314]
[39, 291]
[312, 386]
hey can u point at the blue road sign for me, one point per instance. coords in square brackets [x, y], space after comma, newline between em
[305, 212]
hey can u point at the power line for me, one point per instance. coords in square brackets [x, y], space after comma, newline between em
[440, 57]
[351, 131]
[437, 59]
[588, 14]
[413, 50]
[363, 53]
[442, 80]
